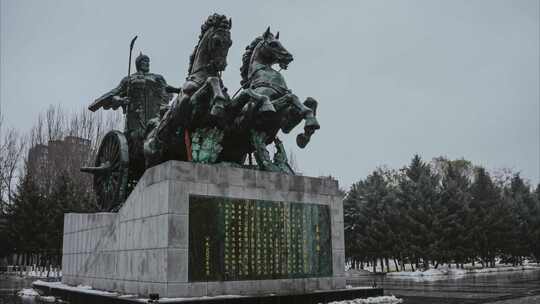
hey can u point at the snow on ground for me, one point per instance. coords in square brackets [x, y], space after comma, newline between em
[357, 287]
[32, 293]
[28, 292]
[368, 268]
[89, 290]
[80, 288]
[372, 300]
[357, 272]
[47, 299]
[170, 300]
[442, 273]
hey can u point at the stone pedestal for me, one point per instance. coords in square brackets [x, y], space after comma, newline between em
[145, 247]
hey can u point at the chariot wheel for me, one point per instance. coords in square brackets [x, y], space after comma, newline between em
[111, 178]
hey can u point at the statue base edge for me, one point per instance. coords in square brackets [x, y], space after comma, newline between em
[94, 296]
[143, 248]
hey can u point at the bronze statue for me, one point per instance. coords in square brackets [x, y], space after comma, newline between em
[199, 110]
[265, 106]
[203, 123]
[120, 160]
[142, 95]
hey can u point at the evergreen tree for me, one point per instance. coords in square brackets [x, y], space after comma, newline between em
[490, 220]
[455, 213]
[369, 233]
[35, 220]
[522, 206]
[419, 202]
[353, 224]
[535, 226]
[27, 219]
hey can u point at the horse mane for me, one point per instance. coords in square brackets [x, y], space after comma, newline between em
[215, 20]
[246, 58]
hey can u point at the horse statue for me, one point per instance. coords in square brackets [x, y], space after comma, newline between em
[194, 118]
[264, 106]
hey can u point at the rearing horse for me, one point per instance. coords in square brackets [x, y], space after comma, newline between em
[265, 106]
[202, 100]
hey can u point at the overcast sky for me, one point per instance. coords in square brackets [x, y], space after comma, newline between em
[393, 78]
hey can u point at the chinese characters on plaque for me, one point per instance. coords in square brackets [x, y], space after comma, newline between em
[240, 239]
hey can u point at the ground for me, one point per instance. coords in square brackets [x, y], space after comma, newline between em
[502, 288]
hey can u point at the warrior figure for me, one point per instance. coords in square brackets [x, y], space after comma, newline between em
[142, 96]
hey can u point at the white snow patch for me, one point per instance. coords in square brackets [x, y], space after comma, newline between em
[169, 300]
[357, 272]
[28, 292]
[84, 287]
[444, 272]
[79, 288]
[372, 300]
[47, 299]
[127, 296]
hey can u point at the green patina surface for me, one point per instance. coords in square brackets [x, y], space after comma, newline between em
[240, 239]
[206, 145]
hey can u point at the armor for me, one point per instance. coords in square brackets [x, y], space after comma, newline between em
[142, 96]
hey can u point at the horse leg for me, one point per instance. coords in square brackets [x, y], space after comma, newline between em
[207, 104]
[296, 111]
[238, 102]
[258, 141]
[152, 149]
[263, 103]
[311, 123]
[246, 104]
[218, 99]
[282, 102]
[307, 111]
[200, 96]
[178, 114]
[159, 137]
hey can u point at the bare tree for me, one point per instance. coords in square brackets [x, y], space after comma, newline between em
[61, 142]
[502, 177]
[11, 147]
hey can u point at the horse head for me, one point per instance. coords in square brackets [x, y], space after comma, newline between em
[210, 54]
[271, 51]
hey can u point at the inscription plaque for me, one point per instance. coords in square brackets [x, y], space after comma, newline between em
[241, 239]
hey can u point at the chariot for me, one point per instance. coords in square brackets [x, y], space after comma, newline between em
[114, 175]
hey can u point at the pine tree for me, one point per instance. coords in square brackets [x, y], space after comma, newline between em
[522, 206]
[535, 226]
[490, 220]
[456, 213]
[27, 219]
[369, 235]
[353, 224]
[419, 202]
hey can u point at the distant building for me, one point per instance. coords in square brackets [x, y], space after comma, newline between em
[37, 159]
[45, 162]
